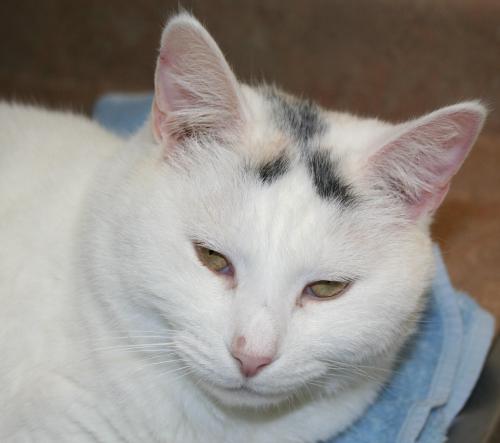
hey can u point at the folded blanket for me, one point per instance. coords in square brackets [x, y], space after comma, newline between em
[439, 366]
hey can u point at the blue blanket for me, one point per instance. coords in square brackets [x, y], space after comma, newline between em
[440, 365]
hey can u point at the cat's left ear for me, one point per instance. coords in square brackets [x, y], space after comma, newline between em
[416, 161]
[196, 93]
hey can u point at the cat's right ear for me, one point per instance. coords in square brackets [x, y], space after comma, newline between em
[417, 160]
[196, 93]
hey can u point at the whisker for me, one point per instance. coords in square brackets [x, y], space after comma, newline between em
[137, 346]
[123, 337]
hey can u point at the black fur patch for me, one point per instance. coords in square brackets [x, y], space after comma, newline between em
[301, 118]
[326, 180]
[274, 169]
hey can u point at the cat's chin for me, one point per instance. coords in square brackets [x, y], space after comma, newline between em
[244, 396]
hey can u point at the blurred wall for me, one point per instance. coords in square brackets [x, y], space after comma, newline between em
[391, 58]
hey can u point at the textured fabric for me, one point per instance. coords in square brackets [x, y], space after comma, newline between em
[438, 368]
[122, 113]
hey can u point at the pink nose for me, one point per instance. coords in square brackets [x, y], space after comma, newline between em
[251, 364]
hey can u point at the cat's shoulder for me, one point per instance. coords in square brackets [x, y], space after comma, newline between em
[40, 147]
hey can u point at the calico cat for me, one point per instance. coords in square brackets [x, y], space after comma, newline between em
[243, 269]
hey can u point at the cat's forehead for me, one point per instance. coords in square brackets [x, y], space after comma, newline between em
[290, 132]
[300, 119]
[290, 178]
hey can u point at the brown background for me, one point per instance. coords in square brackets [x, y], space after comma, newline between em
[393, 59]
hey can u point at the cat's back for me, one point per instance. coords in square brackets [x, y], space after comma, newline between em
[48, 161]
[41, 149]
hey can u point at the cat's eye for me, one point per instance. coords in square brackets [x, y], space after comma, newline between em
[214, 261]
[325, 289]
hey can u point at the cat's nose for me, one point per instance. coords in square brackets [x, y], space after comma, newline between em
[250, 362]
[250, 365]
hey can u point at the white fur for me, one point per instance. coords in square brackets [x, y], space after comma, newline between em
[112, 330]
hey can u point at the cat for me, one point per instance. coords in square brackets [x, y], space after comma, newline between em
[245, 268]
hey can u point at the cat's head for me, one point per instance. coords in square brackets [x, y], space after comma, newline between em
[281, 245]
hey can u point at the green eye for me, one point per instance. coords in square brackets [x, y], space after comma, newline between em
[214, 260]
[326, 289]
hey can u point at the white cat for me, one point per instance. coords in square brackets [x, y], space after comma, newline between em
[244, 269]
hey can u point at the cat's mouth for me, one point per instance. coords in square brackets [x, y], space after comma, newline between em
[244, 395]
[245, 389]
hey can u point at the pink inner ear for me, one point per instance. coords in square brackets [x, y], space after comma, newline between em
[418, 165]
[168, 95]
[456, 148]
[170, 92]
[429, 202]
[157, 118]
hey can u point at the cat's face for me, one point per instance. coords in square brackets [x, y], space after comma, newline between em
[279, 236]
[283, 247]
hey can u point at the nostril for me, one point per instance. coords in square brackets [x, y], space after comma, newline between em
[266, 361]
[250, 365]
[238, 360]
